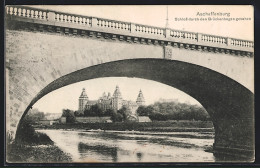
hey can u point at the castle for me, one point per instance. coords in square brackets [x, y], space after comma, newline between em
[106, 101]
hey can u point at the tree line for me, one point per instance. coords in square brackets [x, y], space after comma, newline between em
[159, 111]
[96, 111]
[163, 111]
[34, 115]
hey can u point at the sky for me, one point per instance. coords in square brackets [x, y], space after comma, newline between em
[67, 97]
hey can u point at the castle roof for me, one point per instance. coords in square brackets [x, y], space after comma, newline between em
[83, 94]
[140, 97]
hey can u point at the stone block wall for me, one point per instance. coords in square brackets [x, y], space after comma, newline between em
[36, 59]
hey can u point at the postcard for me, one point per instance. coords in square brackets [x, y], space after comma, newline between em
[129, 84]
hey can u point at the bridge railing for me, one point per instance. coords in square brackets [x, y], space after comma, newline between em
[75, 19]
[241, 43]
[212, 39]
[112, 24]
[183, 34]
[27, 12]
[152, 30]
[127, 27]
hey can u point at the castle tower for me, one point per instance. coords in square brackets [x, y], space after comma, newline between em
[108, 95]
[104, 96]
[117, 99]
[140, 99]
[83, 99]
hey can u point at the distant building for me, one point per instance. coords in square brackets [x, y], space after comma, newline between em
[106, 101]
[48, 122]
[63, 120]
[132, 118]
[92, 119]
[51, 116]
[144, 119]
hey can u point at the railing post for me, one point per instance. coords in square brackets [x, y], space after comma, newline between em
[228, 41]
[51, 16]
[132, 27]
[94, 22]
[167, 33]
[199, 37]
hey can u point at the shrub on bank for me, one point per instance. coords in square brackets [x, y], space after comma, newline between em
[31, 146]
[27, 135]
[36, 154]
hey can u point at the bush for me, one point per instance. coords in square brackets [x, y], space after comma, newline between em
[162, 111]
[27, 135]
[34, 115]
[69, 114]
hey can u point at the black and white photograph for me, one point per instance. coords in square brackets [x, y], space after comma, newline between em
[129, 84]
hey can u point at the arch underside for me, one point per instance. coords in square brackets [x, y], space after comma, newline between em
[229, 104]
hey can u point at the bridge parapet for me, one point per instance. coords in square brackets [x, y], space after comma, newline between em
[130, 31]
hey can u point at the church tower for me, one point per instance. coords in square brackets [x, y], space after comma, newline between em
[83, 98]
[117, 99]
[140, 99]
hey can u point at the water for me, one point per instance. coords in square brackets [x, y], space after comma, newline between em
[134, 146]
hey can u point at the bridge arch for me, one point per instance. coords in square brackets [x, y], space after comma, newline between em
[229, 104]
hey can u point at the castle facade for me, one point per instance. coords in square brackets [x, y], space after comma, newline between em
[106, 101]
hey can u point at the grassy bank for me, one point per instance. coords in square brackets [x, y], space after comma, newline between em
[162, 126]
[33, 147]
[20, 153]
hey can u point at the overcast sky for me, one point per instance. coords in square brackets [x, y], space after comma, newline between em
[67, 97]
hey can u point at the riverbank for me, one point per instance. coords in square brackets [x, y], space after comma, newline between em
[34, 147]
[159, 126]
[20, 153]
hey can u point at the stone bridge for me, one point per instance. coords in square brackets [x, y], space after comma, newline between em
[46, 50]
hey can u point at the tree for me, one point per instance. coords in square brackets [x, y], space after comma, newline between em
[109, 112]
[78, 114]
[95, 110]
[69, 114]
[87, 113]
[117, 117]
[174, 111]
[125, 111]
[121, 115]
[34, 115]
[141, 111]
[144, 111]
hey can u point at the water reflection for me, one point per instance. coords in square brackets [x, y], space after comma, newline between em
[106, 151]
[134, 146]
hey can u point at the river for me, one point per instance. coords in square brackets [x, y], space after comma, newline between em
[133, 146]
